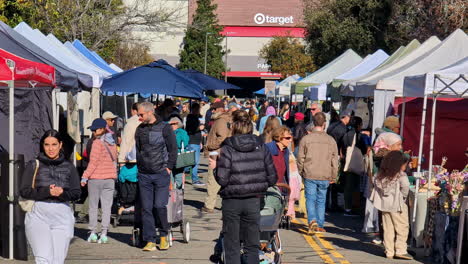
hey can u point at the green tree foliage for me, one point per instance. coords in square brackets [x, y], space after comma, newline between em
[422, 19]
[105, 26]
[203, 30]
[334, 26]
[287, 55]
[367, 25]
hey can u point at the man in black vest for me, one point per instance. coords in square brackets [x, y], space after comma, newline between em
[156, 157]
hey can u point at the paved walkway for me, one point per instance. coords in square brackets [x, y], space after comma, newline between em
[344, 243]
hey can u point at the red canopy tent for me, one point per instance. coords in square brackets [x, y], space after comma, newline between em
[18, 72]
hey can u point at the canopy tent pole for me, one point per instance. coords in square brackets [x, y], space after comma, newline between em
[11, 164]
[402, 121]
[431, 147]
[421, 141]
[125, 107]
[136, 97]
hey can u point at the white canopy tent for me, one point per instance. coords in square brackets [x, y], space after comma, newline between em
[451, 81]
[348, 88]
[338, 66]
[364, 87]
[451, 50]
[368, 64]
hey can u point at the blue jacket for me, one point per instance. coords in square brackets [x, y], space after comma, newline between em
[273, 148]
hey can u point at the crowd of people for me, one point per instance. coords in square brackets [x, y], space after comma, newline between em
[251, 146]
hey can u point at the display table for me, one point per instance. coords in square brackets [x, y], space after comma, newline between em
[417, 223]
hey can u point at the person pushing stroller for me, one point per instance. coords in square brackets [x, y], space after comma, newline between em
[244, 171]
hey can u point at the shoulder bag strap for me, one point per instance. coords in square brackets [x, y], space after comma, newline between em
[108, 150]
[35, 173]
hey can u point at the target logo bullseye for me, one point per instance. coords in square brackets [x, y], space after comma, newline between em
[259, 18]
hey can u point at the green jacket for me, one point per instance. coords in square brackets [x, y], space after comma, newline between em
[181, 136]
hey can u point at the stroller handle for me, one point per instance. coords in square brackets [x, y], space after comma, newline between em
[284, 186]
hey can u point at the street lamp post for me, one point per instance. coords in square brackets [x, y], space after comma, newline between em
[206, 49]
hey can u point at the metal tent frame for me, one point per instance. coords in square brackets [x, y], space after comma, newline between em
[448, 92]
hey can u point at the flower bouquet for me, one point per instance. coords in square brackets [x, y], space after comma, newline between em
[451, 186]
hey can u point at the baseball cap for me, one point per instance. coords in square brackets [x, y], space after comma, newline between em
[231, 105]
[98, 123]
[108, 115]
[299, 116]
[205, 99]
[345, 113]
[217, 105]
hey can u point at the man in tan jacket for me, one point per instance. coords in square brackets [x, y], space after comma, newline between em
[220, 130]
[317, 163]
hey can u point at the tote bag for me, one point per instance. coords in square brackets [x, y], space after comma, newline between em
[354, 159]
[27, 205]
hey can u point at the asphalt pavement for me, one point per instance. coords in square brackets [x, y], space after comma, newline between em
[343, 243]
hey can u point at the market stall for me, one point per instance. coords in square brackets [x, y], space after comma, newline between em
[19, 73]
[449, 82]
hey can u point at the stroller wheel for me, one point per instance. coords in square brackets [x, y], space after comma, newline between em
[185, 229]
[115, 221]
[169, 237]
[136, 237]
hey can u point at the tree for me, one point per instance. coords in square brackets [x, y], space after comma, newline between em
[335, 26]
[204, 30]
[422, 19]
[287, 55]
[102, 25]
[129, 55]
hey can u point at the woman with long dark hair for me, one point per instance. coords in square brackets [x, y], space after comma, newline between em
[52, 182]
[352, 180]
[391, 189]
[245, 170]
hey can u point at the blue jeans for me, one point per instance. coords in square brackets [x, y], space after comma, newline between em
[154, 195]
[196, 148]
[316, 195]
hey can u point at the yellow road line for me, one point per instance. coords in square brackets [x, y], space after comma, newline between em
[331, 250]
[326, 258]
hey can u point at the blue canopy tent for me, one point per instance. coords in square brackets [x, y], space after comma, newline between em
[260, 92]
[89, 54]
[209, 82]
[157, 77]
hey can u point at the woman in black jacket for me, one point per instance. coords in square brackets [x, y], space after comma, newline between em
[49, 225]
[245, 170]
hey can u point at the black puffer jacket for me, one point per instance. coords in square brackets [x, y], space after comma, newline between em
[245, 167]
[60, 172]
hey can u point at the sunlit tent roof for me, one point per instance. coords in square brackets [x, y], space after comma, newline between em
[338, 66]
[451, 80]
[66, 78]
[92, 57]
[115, 67]
[365, 87]
[348, 87]
[77, 55]
[41, 41]
[451, 50]
[284, 87]
[365, 66]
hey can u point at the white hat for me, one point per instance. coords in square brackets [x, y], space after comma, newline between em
[108, 115]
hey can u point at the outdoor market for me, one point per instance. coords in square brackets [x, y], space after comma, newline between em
[46, 84]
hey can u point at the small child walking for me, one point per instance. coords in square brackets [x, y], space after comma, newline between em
[389, 195]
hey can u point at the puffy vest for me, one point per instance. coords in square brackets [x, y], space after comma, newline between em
[152, 157]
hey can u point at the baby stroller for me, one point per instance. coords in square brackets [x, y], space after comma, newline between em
[271, 219]
[125, 197]
[175, 215]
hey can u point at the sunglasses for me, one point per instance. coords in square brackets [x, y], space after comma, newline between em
[287, 138]
[313, 109]
[173, 124]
